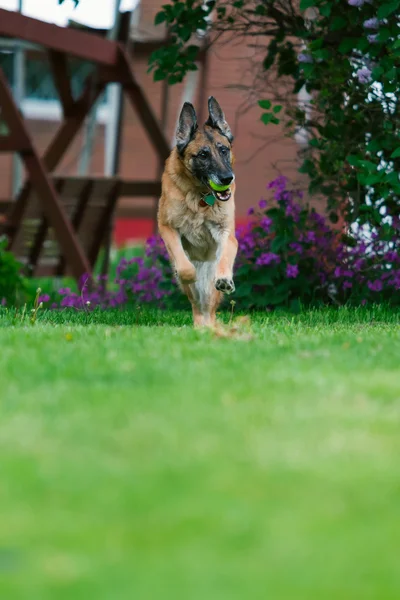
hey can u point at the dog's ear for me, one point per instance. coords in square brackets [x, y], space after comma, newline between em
[216, 119]
[187, 127]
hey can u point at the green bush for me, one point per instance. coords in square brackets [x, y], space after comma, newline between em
[12, 285]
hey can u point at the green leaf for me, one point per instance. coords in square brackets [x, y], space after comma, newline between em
[265, 104]
[325, 10]
[353, 160]
[396, 153]
[374, 146]
[322, 54]
[271, 54]
[387, 9]
[173, 79]
[384, 34]
[391, 178]
[362, 44]
[347, 44]
[159, 75]
[307, 167]
[263, 277]
[185, 33]
[261, 10]
[307, 69]
[316, 44]
[159, 18]
[372, 179]
[266, 118]
[278, 297]
[391, 74]
[277, 109]
[338, 23]
[377, 72]
[368, 165]
[278, 243]
[304, 4]
[244, 289]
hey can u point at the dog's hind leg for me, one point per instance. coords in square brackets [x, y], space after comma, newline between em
[198, 317]
[203, 296]
[214, 301]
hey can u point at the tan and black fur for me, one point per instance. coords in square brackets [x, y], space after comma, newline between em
[200, 239]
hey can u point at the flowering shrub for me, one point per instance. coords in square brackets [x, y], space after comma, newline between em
[288, 256]
[345, 54]
[143, 280]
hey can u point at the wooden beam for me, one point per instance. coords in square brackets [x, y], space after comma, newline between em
[10, 143]
[59, 67]
[40, 237]
[142, 106]
[103, 223]
[77, 217]
[54, 153]
[43, 186]
[81, 44]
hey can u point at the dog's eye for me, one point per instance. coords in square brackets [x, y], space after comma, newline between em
[224, 150]
[203, 154]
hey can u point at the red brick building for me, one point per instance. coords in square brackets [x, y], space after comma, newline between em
[260, 151]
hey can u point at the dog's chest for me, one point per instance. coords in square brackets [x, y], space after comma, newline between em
[200, 234]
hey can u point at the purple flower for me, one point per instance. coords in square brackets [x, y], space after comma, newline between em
[278, 183]
[347, 285]
[338, 272]
[250, 212]
[266, 223]
[292, 271]
[310, 237]
[356, 2]
[372, 38]
[267, 258]
[297, 248]
[44, 298]
[364, 75]
[392, 256]
[395, 281]
[293, 210]
[303, 57]
[375, 286]
[371, 23]
[262, 203]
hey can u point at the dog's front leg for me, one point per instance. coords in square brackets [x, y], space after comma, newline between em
[172, 240]
[224, 273]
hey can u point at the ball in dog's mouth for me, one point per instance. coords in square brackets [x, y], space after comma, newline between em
[221, 192]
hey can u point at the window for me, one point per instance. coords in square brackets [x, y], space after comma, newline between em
[41, 100]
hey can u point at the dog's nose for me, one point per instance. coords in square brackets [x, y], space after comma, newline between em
[227, 179]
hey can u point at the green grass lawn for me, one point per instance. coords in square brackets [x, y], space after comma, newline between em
[140, 459]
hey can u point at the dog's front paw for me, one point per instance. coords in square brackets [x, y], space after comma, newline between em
[225, 285]
[187, 274]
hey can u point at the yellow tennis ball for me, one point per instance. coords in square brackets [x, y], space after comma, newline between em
[218, 188]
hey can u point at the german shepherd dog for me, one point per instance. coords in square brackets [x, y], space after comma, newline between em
[196, 222]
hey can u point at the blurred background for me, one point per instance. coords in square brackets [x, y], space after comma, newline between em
[226, 71]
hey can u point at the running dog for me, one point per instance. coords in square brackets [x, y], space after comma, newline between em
[196, 215]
